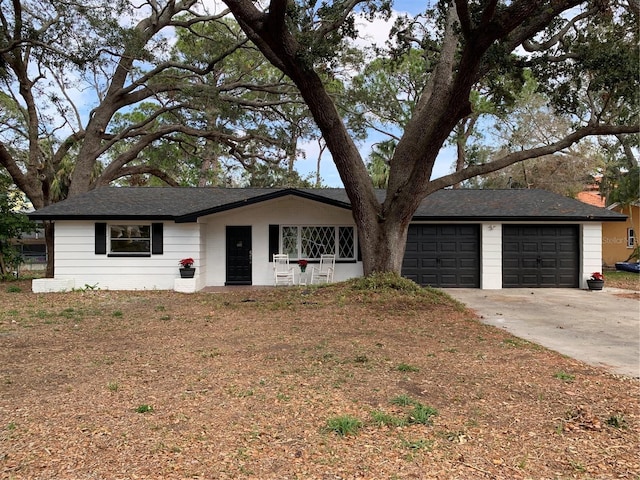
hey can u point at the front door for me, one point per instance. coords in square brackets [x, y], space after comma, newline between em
[238, 256]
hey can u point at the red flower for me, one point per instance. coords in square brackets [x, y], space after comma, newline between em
[596, 276]
[302, 263]
[186, 262]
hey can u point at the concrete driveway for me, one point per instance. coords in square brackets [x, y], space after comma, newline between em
[599, 328]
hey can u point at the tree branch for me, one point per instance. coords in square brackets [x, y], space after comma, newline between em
[140, 170]
[510, 159]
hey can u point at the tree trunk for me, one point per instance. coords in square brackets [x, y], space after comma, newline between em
[48, 238]
[383, 247]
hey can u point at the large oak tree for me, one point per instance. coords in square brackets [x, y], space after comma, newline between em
[466, 41]
[90, 88]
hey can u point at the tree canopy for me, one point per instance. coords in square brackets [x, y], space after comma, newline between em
[464, 44]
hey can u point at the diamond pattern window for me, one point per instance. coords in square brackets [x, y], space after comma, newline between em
[311, 241]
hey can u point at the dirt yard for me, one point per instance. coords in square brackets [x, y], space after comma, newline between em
[352, 381]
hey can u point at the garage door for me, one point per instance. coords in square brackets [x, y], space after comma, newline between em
[443, 255]
[540, 256]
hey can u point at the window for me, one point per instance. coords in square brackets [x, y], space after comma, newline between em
[631, 238]
[309, 242]
[130, 239]
[34, 252]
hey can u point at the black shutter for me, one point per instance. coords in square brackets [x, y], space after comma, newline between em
[274, 240]
[101, 239]
[157, 238]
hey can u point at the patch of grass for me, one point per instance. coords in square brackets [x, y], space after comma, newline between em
[403, 400]
[344, 425]
[617, 421]
[625, 280]
[14, 289]
[384, 281]
[117, 314]
[113, 386]
[565, 377]
[577, 466]
[387, 420]
[86, 288]
[69, 312]
[361, 359]
[417, 444]
[144, 408]
[421, 414]
[514, 342]
[404, 367]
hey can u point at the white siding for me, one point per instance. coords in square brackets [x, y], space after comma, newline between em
[591, 247]
[75, 258]
[491, 256]
[286, 210]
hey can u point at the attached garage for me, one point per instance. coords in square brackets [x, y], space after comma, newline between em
[540, 256]
[444, 256]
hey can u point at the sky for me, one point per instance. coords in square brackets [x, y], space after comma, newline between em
[377, 33]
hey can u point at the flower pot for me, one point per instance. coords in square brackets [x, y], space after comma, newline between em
[595, 284]
[187, 272]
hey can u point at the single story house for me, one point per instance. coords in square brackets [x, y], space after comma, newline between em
[133, 238]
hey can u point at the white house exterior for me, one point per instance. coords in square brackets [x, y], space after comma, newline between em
[481, 239]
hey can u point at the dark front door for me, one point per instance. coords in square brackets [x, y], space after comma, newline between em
[540, 256]
[238, 256]
[443, 255]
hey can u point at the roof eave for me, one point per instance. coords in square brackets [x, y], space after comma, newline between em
[53, 217]
[432, 218]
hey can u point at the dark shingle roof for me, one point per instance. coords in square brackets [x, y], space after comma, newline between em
[187, 204]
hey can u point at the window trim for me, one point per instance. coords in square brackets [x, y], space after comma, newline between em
[336, 239]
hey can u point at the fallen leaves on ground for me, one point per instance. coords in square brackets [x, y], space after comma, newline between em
[241, 384]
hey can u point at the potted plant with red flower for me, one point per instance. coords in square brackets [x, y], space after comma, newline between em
[303, 265]
[596, 282]
[187, 270]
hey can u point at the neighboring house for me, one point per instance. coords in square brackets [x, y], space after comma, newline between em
[133, 238]
[619, 239]
[33, 250]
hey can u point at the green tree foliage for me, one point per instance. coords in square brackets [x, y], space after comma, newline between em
[13, 224]
[379, 163]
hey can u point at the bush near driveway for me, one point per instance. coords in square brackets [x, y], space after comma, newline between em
[243, 385]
